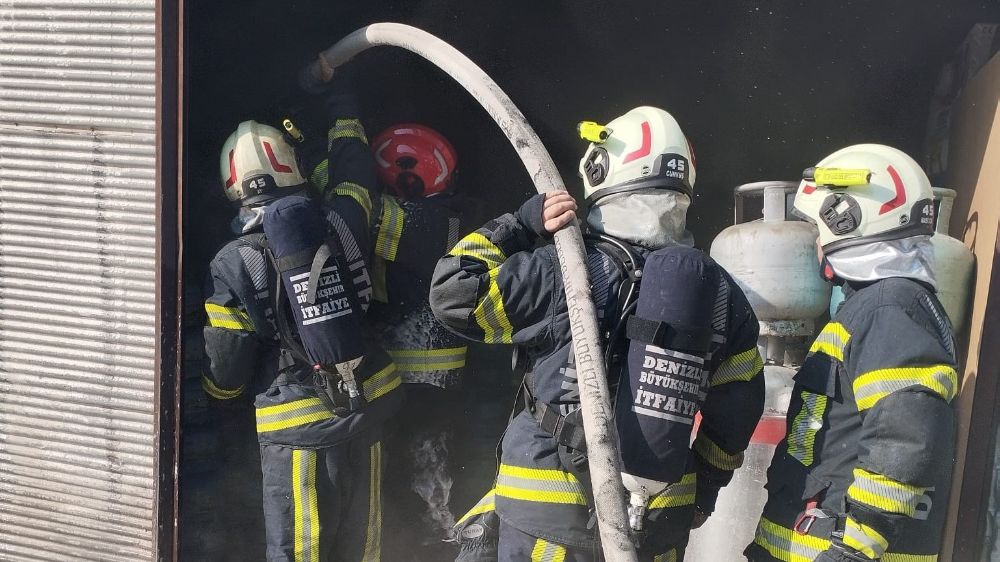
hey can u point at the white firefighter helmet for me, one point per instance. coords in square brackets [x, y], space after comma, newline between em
[643, 148]
[256, 161]
[866, 193]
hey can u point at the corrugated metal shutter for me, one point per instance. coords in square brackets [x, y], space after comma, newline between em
[77, 279]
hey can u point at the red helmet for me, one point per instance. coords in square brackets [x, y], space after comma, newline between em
[414, 160]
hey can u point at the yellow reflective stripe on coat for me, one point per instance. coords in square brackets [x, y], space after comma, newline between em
[788, 546]
[214, 391]
[479, 247]
[490, 314]
[873, 386]
[884, 493]
[291, 414]
[228, 317]
[390, 229]
[715, 455]
[359, 194]
[545, 551]
[678, 494]
[831, 341]
[381, 383]
[429, 360]
[373, 535]
[346, 129]
[809, 420]
[668, 556]
[485, 505]
[742, 367]
[544, 485]
[305, 506]
[864, 539]
[320, 174]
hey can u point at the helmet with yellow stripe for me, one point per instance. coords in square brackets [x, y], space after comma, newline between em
[866, 193]
[645, 148]
[256, 162]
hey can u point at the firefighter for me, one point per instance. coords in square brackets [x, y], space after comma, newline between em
[421, 221]
[864, 471]
[322, 470]
[495, 286]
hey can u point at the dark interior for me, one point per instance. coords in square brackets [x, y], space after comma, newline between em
[761, 89]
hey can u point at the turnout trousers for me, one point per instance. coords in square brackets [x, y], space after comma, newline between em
[324, 504]
[518, 546]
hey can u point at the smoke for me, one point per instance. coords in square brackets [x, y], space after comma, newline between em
[432, 482]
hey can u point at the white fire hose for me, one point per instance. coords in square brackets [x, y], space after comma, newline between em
[595, 401]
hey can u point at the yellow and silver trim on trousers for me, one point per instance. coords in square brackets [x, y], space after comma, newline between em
[429, 360]
[788, 546]
[228, 317]
[545, 551]
[543, 485]
[373, 535]
[305, 506]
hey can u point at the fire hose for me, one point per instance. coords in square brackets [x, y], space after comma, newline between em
[595, 401]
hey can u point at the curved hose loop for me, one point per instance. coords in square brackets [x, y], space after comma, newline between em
[609, 494]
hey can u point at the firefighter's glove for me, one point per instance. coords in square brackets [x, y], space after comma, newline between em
[544, 214]
[839, 552]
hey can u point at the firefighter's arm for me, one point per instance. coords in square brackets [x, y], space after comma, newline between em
[904, 379]
[729, 415]
[490, 288]
[348, 182]
[231, 343]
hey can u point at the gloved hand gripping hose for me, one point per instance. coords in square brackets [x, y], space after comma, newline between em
[594, 395]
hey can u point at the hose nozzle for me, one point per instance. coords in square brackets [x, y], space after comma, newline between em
[637, 510]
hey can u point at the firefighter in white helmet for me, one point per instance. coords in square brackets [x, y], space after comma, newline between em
[321, 467]
[495, 286]
[864, 471]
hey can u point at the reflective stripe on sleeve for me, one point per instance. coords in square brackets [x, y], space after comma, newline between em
[305, 506]
[545, 551]
[885, 494]
[741, 367]
[346, 129]
[678, 494]
[228, 317]
[668, 556]
[214, 391]
[390, 228]
[715, 455]
[429, 360]
[864, 539]
[477, 246]
[543, 485]
[490, 314]
[809, 420]
[787, 545]
[359, 194]
[831, 341]
[485, 505]
[381, 383]
[873, 386]
[291, 414]
[373, 535]
[320, 174]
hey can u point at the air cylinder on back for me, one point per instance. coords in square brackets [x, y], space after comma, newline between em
[670, 336]
[329, 325]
